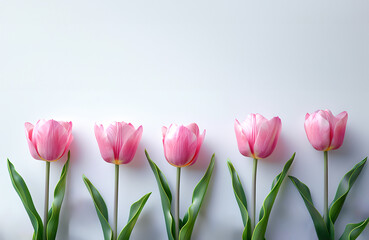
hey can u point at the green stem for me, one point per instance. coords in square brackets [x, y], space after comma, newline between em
[46, 205]
[326, 217]
[177, 202]
[255, 165]
[115, 232]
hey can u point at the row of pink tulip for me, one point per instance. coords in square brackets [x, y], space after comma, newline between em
[256, 138]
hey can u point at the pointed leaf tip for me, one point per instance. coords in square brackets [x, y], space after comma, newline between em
[165, 195]
[353, 230]
[197, 199]
[135, 211]
[319, 223]
[241, 201]
[101, 209]
[260, 228]
[22, 190]
[343, 189]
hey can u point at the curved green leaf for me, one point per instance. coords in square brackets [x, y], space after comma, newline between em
[319, 224]
[343, 189]
[134, 213]
[101, 209]
[166, 197]
[52, 224]
[260, 228]
[241, 200]
[197, 199]
[23, 192]
[353, 230]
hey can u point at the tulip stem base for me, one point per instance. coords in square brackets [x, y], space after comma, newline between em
[254, 169]
[115, 232]
[177, 202]
[326, 217]
[46, 205]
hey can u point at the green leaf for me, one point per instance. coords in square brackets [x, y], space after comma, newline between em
[166, 197]
[319, 224]
[101, 209]
[343, 189]
[241, 200]
[23, 192]
[260, 228]
[134, 213]
[353, 230]
[197, 199]
[52, 225]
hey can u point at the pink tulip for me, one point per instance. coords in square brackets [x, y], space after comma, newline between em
[257, 136]
[182, 144]
[48, 140]
[325, 131]
[118, 144]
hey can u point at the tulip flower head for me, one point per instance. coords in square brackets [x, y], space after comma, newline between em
[325, 131]
[48, 140]
[118, 144]
[182, 144]
[257, 136]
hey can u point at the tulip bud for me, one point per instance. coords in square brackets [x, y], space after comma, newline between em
[48, 140]
[325, 131]
[182, 144]
[256, 136]
[118, 144]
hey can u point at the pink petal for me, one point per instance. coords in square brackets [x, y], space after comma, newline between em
[106, 149]
[327, 114]
[51, 139]
[267, 137]
[250, 128]
[179, 145]
[29, 130]
[307, 116]
[193, 128]
[118, 134]
[339, 130]
[342, 115]
[259, 119]
[164, 131]
[200, 139]
[70, 140]
[242, 141]
[317, 129]
[68, 127]
[130, 146]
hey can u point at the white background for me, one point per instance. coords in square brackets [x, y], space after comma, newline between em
[153, 63]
